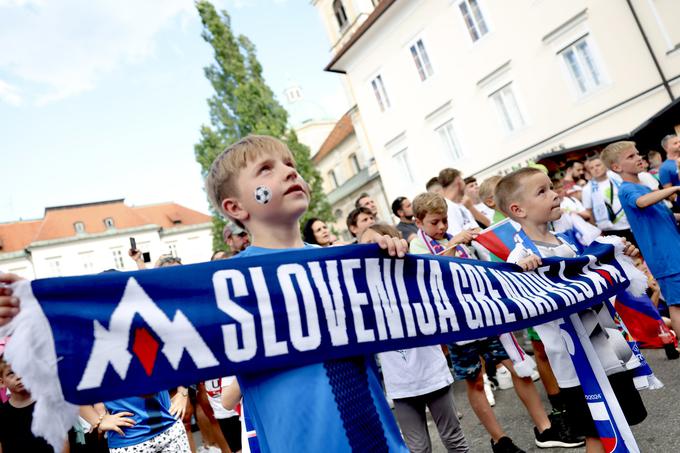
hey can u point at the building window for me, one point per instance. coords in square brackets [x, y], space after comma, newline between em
[354, 163]
[380, 93]
[507, 108]
[54, 266]
[87, 260]
[421, 59]
[118, 259]
[333, 180]
[474, 19]
[340, 14]
[403, 164]
[79, 227]
[447, 135]
[583, 69]
[108, 223]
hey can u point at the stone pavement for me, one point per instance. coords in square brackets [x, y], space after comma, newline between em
[659, 433]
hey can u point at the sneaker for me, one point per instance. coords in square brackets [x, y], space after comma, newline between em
[559, 421]
[505, 445]
[535, 376]
[489, 392]
[504, 378]
[551, 438]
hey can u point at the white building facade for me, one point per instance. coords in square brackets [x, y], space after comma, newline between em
[90, 238]
[484, 85]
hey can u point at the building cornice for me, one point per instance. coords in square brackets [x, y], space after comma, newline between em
[184, 229]
[13, 255]
[109, 233]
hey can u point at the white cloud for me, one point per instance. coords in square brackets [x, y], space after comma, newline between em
[61, 48]
[9, 94]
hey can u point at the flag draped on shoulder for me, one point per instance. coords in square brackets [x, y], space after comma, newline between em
[86, 339]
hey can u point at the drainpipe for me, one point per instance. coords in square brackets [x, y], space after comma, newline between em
[664, 81]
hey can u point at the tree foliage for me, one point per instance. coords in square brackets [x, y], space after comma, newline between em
[244, 104]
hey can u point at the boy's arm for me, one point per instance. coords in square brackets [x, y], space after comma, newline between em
[656, 196]
[231, 395]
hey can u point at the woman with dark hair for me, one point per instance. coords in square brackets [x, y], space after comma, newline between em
[316, 231]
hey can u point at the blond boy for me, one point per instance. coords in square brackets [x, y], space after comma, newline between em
[254, 182]
[431, 213]
[486, 192]
[653, 224]
[527, 197]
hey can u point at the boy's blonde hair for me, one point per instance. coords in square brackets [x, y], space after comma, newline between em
[488, 187]
[221, 180]
[429, 203]
[610, 155]
[509, 188]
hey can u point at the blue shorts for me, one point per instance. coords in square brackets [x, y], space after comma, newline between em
[670, 289]
[466, 358]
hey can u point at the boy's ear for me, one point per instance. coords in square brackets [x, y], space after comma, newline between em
[234, 210]
[419, 223]
[615, 167]
[516, 210]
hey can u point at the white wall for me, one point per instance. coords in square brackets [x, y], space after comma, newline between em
[521, 48]
[91, 255]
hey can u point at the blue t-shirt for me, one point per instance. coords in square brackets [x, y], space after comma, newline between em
[151, 415]
[668, 173]
[654, 229]
[296, 409]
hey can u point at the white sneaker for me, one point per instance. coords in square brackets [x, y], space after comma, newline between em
[488, 392]
[504, 378]
[214, 449]
[535, 376]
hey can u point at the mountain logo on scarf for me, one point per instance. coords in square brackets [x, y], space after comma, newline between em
[111, 345]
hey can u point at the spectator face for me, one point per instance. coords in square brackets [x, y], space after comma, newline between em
[597, 169]
[363, 222]
[368, 203]
[238, 242]
[321, 233]
[673, 145]
[12, 381]
[472, 191]
[406, 209]
[434, 225]
[578, 170]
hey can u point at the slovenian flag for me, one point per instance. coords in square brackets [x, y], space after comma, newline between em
[499, 239]
[643, 320]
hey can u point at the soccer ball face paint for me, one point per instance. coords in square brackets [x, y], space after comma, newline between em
[263, 194]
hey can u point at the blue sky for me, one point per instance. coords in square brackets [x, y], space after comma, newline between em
[104, 99]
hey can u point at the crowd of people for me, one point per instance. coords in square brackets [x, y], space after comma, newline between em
[615, 193]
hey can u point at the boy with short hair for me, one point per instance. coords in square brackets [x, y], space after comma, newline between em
[526, 196]
[336, 403]
[486, 191]
[431, 217]
[652, 222]
[16, 416]
[358, 220]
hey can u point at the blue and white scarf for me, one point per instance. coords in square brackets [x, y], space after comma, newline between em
[79, 340]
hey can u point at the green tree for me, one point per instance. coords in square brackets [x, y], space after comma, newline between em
[244, 104]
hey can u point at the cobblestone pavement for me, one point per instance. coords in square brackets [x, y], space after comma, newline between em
[659, 433]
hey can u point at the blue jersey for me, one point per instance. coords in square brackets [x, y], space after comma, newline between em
[151, 415]
[335, 406]
[668, 173]
[654, 229]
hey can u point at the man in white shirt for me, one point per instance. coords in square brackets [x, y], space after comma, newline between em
[601, 199]
[472, 192]
[461, 212]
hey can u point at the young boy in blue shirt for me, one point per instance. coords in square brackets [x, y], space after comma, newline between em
[336, 404]
[653, 224]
